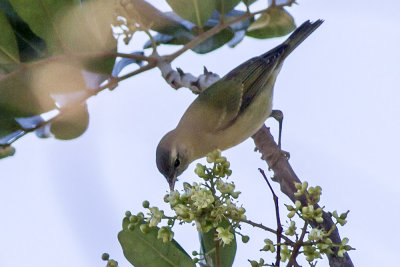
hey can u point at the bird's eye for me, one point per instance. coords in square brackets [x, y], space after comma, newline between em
[177, 163]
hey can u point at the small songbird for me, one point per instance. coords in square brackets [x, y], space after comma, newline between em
[229, 111]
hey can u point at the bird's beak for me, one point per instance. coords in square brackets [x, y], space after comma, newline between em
[172, 182]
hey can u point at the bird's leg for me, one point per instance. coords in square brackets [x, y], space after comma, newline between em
[278, 115]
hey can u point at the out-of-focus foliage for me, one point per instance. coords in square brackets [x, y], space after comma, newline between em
[51, 50]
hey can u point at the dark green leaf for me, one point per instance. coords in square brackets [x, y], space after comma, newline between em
[151, 17]
[30, 46]
[214, 42]
[227, 253]
[196, 11]
[224, 6]
[248, 2]
[8, 125]
[8, 44]
[70, 27]
[71, 124]
[145, 250]
[41, 17]
[275, 22]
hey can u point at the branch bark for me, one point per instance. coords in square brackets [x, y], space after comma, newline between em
[286, 177]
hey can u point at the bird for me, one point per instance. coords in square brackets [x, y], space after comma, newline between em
[229, 111]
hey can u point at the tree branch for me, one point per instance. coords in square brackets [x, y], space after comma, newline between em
[286, 177]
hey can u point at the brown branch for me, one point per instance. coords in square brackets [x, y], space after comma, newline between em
[279, 228]
[286, 177]
[261, 226]
[296, 248]
[111, 84]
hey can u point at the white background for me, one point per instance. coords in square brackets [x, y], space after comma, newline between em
[62, 202]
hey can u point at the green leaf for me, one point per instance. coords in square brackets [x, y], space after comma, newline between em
[227, 253]
[151, 17]
[68, 26]
[8, 124]
[21, 96]
[196, 11]
[145, 250]
[72, 124]
[30, 46]
[87, 28]
[248, 2]
[40, 15]
[224, 6]
[275, 22]
[214, 42]
[8, 44]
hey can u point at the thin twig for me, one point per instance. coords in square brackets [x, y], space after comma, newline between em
[296, 248]
[261, 226]
[279, 228]
[111, 84]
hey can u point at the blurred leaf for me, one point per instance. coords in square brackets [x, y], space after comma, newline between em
[30, 46]
[40, 16]
[123, 62]
[248, 2]
[227, 253]
[237, 38]
[224, 6]
[87, 28]
[8, 44]
[214, 42]
[30, 122]
[146, 250]
[196, 11]
[6, 151]
[275, 22]
[8, 125]
[150, 17]
[71, 124]
[239, 28]
[19, 97]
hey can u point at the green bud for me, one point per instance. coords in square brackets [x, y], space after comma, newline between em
[128, 213]
[105, 256]
[146, 204]
[144, 228]
[140, 216]
[170, 222]
[291, 214]
[196, 260]
[131, 227]
[133, 219]
[245, 239]
[297, 204]
[236, 194]
[195, 253]
[112, 263]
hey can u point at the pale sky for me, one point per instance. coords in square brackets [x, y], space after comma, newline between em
[62, 202]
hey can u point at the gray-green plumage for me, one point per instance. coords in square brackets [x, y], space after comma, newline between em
[229, 111]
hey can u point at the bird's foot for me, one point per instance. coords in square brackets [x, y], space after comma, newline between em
[275, 156]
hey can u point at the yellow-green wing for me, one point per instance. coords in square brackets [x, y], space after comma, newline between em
[222, 103]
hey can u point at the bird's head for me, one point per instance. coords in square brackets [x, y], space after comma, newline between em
[172, 157]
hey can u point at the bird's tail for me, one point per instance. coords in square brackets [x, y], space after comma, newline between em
[300, 34]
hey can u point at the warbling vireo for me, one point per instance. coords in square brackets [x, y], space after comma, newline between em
[229, 111]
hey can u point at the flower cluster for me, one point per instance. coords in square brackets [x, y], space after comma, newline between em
[205, 204]
[315, 242]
